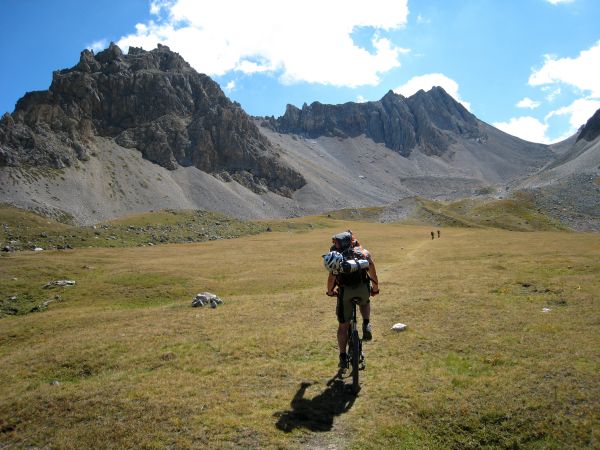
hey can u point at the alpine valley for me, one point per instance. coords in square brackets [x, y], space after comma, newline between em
[127, 133]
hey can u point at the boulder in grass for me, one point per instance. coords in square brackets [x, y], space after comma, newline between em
[60, 283]
[206, 298]
[399, 327]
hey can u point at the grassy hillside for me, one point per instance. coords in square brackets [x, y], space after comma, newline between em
[123, 361]
[25, 230]
[517, 213]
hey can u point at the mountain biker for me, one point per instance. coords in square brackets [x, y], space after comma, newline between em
[361, 284]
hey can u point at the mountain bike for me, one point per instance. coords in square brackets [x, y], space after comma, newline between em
[355, 354]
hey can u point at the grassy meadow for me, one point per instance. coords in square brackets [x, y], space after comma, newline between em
[502, 348]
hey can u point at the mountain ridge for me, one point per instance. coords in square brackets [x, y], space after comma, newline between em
[152, 101]
[423, 119]
[142, 131]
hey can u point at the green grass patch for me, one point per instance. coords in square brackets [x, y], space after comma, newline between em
[481, 365]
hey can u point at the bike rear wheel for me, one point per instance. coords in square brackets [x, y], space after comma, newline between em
[355, 343]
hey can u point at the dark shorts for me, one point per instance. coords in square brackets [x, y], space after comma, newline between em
[344, 300]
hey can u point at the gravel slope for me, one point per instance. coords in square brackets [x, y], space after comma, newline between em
[340, 173]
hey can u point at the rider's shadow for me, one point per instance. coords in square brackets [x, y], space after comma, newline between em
[317, 414]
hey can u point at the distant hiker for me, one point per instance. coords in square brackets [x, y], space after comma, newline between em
[438, 233]
[361, 284]
[432, 236]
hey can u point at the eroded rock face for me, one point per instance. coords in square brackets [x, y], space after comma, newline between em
[426, 119]
[151, 101]
[591, 130]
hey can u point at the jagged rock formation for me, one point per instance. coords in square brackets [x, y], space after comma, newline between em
[591, 130]
[430, 120]
[151, 101]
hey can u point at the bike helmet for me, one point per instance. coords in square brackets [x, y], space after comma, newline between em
[333, 261]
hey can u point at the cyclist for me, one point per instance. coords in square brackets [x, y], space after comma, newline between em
[360, 284]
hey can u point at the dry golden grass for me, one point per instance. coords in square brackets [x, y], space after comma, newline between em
[480, 365]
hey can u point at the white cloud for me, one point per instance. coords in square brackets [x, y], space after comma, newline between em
[534, 130]
[230, 86]
[307, 42]
[428, 81]
[97, 46]
[422, 19]
[551, 93]
[580, 72]
[526, 127]
[360, 99]
[556, 2]
[528, 103]
[579, 111]
[578, 76]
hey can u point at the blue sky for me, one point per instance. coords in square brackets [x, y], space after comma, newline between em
[530, 67]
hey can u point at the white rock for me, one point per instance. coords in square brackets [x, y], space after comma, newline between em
[60, 283]
[546, 310]
[206, 298]
[38, 249]
[399, 327]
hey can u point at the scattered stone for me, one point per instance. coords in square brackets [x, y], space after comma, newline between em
[60, 283]
[399, 327]
[38, 249]
[7, 248]
[206, 298]
[269, 229]
[55, 383]
[13, 298]
[546, 310]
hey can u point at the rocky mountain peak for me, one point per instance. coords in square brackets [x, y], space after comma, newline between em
[591, 130]
[427, 120]
[152, 101]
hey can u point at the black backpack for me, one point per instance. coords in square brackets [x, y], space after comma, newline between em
[351, 250]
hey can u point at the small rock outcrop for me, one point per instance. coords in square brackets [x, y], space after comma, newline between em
[59, 283]
[152, 101]
[206, 299]
[426, 119]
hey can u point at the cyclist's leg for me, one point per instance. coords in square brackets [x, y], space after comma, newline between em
[365, 311]
[344, 313]
[342, 336]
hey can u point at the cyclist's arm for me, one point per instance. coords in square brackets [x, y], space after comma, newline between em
[372, 271]
[330, 283]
